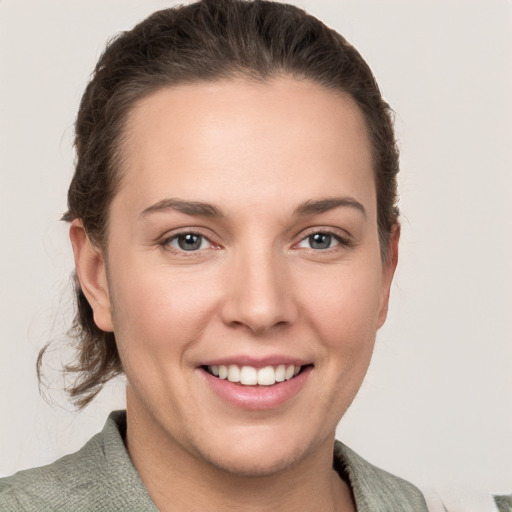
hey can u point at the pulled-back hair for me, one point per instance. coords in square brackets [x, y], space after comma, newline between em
[205, 41]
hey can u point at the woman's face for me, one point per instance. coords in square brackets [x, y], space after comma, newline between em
[243, 241]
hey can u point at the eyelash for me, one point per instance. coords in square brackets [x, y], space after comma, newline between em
[343, 241]
[166, 242]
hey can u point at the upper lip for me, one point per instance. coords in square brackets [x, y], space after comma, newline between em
[256, 362]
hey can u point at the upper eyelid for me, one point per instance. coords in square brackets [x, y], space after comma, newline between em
[164, 244]
[345, 240]
[165, 240]
[337, 232]
[169, 242]
[173, 233]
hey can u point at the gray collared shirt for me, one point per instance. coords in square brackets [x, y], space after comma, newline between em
[101, 478]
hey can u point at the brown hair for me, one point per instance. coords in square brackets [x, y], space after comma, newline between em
[204, 41]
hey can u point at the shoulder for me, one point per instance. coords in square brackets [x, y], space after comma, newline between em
[374, 488]
[47, 486]
[504, 502]
[99, 477]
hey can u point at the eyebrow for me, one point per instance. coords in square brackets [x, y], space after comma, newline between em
[324, 205]
[197, 208]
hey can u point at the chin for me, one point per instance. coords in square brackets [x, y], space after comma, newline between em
[254, 464]
[257, 454]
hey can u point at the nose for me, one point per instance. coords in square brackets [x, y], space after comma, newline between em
[259, 292]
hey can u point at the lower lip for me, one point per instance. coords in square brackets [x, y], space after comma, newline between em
[257, 397]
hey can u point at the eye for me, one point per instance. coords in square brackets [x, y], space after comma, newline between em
[188, 242]
[320, 241]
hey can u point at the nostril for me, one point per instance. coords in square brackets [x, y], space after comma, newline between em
[259, 302]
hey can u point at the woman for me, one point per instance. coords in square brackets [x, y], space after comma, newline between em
[234, 224]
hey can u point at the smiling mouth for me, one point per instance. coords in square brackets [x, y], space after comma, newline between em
[251, 376]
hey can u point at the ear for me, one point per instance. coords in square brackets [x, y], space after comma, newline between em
[388, 271]
[92, 275]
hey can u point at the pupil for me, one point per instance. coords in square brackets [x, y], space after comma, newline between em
[189, 242]
[320, 241]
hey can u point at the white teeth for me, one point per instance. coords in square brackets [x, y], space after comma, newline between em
[233, 373]
[266, 376]
[250, 376]
[290, 370]
[223, 371]
[280, 373]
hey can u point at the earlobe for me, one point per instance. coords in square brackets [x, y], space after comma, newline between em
[92, 275]
[388, 271]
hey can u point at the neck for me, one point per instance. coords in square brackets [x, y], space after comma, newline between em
[177, 479]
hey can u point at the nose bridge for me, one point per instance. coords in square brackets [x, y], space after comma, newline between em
[259, 292]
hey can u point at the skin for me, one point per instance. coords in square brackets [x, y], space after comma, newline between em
[257, 152]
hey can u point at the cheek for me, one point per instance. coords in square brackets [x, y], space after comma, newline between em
[159, 309]
[342, 312]
[344, 307]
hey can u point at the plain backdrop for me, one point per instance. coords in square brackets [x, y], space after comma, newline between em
[436, 407]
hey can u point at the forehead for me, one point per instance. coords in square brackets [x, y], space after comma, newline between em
[270, 138]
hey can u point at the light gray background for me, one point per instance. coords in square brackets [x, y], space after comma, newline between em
[436, 405]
